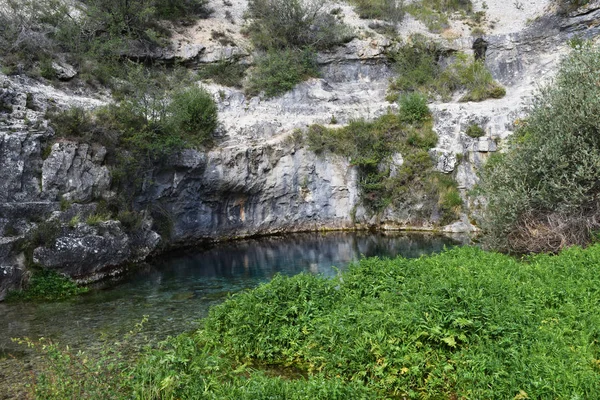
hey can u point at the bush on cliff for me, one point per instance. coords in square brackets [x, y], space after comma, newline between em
[383, 180]
[435, 13]
[465, 324]
[294, 23]
[543, 194]
[289, 32]
[278, 71]
[418, 66]
[154, 114]
[388, 10]
[94, 35]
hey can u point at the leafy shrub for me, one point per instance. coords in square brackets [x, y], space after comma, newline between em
[47, 285]
[370, 147]
[475, 78]
[74, 122]
[542, 193]
[225, 72]
[413, 108]
[193, 115]
[422, 137]
[278, 71]
[417, 64]
[130, 220]
[475, 131]
[283, 24]
[44, 234]
[434, 13]
[449, 199]
[388, 10]
[25, 34]
[157, 114]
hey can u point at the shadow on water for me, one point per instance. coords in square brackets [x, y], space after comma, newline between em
[176, 291]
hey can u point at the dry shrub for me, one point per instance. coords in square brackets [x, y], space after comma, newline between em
[553, 232]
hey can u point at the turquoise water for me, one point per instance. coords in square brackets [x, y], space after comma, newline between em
[176, 291]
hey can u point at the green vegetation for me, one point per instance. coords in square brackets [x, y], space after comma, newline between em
[463, 324]
[284, 24]
[47, 285]
[44, 235]
[475, 131]
[95, 35]
[387, 10]
[278, 71]
[417, 64]
[413, 108]
[543, 192]
[192, 114]
[154, 114]
[289, 32]
[434, 13]
[95, 219]
[370, 146]
[226, 72]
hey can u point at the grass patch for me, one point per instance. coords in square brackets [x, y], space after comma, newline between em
[435, 13]
[475, 131]
[47, 285]
[96, 219]
[418, 67]
[462, 324]
[226, 72]
[278, 71]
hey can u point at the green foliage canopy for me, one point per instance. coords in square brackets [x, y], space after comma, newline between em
[543, 193]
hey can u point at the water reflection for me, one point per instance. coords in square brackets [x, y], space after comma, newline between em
[177, 290]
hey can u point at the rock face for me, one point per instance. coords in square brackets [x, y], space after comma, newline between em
[12, 266]
[87, 253]
[240, 191]
[75, 172]
[44, 184]
[259, 179]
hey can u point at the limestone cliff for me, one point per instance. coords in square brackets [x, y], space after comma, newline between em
[257, 180]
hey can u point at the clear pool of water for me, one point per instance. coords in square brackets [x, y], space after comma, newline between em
[177, 290]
